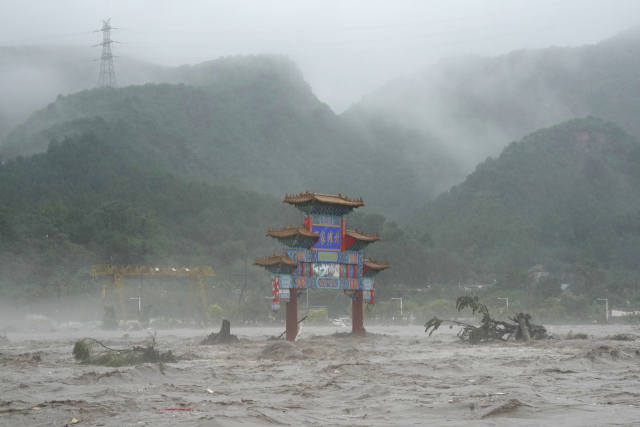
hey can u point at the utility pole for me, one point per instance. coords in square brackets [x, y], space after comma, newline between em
[107, 76]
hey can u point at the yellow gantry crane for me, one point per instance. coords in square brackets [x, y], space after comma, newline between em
[116, 272]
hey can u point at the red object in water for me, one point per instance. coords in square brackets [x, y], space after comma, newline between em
[176, 409]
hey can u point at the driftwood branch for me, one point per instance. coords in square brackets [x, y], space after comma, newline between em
[83, 351]
[490, 329]
[299, 321]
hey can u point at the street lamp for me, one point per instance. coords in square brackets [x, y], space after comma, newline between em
[606, 305]
[507, 299]
[400, 305]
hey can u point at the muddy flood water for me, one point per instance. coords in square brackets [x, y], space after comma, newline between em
[393, 376]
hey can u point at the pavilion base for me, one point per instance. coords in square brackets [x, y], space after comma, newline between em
[292, 316]
[357, 314]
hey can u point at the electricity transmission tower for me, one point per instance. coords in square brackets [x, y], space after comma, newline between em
[107, 73]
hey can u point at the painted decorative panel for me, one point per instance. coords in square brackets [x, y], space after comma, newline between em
[302, 255]
[328, 256]
[327, 220]
[275, 289]
[326, 270]
[325, 282]
[285, 281]
[367, 297]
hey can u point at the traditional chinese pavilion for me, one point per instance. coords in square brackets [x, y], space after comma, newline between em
[322, 253]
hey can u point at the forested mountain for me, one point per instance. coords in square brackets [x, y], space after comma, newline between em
[89, 199]
[473, 106]
[565, 197]
[433, 128]
[253, 123]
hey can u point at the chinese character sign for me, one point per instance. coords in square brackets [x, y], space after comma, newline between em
[329, 237]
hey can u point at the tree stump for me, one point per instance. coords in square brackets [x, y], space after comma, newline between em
[224, 336]
[523, 329]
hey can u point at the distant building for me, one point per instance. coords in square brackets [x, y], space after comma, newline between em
[625, 312]
[538, 271]
[624, 315]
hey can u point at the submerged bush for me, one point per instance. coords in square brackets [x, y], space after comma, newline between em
[84, 352]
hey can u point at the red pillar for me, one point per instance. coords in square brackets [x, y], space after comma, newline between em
[357, 314]
[292, 315]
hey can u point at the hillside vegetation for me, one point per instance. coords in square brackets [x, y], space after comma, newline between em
[89, 199]
[565, 197]
[255, 125]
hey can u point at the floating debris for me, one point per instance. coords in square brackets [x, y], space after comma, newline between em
[490, 329]
[84, 352]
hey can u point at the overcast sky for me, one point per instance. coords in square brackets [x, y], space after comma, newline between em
[345, 49]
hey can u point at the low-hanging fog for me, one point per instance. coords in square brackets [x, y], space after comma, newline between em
[345, 49]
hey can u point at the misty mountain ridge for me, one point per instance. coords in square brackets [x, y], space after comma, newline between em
[251, 122]
[472, 106]
[32, 76]
[435, 126]
[239, 75]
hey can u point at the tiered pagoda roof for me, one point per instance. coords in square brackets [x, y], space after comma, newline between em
[373, 267]
[323, 204]
[294, 236]
[357, 240]
[362, 237]
[291, 231]
[275, 260]
[277, 263]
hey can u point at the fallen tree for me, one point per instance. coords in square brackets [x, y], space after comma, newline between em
[490, 329]
[85, 351]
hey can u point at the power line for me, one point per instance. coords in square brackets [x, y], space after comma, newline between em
[107, 76]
